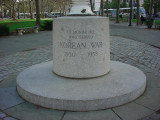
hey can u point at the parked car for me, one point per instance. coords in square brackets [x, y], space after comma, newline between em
[55, 14]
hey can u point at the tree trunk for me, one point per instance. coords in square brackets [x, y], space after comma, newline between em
[60, 7]
[5, 12]
[107, 8]
[10, 12]
[102, 8]
[151, 7]
[155, 7]
[138, 15]
[131, 10]
[18, 11]
[117, 13]
[13, 12]
[64, 8]
[91, 5]
[30, 9]
[1, 9]
[37, 13]
[42, 8]
[24, 11]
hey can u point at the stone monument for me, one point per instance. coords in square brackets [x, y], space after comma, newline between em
[81, 46]
[81, 76]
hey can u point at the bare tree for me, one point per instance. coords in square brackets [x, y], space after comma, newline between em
[38, 22]
[107, 8]
[91, 5]
[42, 8]
[60, 6]
[117, 13]
[30, 9]
[24, 9]
[11, 5]
[151, 7]
[102, 8]
[14, 10]
[18, 9]
[138, 15]
[1, 6]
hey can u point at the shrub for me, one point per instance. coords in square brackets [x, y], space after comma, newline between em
[47, 25]
[157, 22]
[13, 25]
[4, 30]
[149, 22]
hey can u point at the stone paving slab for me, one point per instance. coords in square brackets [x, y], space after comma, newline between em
[10, 44]
[93, 115]
[9, 98]
[153, 81]
[152, 117]
[132, 111]
[2, 115]
[9, 118]
[10, 81]
[26, 111]
[137, 33]
[150, 99]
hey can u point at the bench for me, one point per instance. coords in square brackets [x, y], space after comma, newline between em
[21, 30]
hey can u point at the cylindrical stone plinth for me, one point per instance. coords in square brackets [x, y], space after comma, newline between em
[81, 46]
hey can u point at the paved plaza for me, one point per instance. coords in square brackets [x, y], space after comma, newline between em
[136, 46]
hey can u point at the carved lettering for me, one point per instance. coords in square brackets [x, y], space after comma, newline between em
[79, 35]
[96, 44]
[92, 54]
[70, 54]
[72, 45]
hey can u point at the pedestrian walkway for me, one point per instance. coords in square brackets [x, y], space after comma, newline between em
[143, 26]
[138, 54]
[137, 33]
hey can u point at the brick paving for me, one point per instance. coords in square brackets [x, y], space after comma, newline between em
[125, 50]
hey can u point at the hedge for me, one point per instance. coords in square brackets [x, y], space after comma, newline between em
[157, 22]
[13, 25]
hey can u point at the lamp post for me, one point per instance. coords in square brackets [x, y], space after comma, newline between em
[131, 9]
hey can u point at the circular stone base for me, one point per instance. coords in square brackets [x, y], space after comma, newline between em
[40, 86]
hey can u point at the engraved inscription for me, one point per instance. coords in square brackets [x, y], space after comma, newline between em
[81, 34]
[81, 45]
[96, 44]
[72, 43]
[70, 54]
[92, 54]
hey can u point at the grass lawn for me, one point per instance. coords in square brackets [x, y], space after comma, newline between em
[13, 25]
